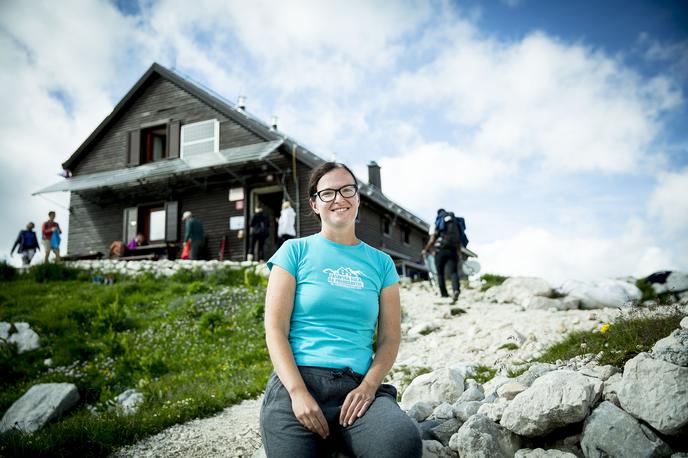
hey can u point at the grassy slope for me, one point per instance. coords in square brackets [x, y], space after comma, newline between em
[191, 344]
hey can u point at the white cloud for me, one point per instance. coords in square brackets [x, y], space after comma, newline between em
[669, 202]
[536, 251]
[576, 109]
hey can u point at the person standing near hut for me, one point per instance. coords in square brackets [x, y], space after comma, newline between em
[286, 223]
[27, 243]
[50, 232]
[260, 230]
[193, 231]
[326, 296]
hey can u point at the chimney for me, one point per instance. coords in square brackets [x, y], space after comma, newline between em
[273, 123]
[241, 103]
[374, 175]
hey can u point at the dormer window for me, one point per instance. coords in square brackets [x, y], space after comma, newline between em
[154, 144]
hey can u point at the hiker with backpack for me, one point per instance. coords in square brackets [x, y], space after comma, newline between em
[447, 236]
[27, 242]
[259, 231]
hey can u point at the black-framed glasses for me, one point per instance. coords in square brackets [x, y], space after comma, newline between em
[328, 195]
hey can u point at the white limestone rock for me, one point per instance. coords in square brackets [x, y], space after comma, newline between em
[609, 431]
[473, 392]
[444, 431]
[676, 282]
[40, 404]
[480, 437]
[494, 410]
[129, 401]
[534, 372]
[509, 390]
[546, 303]
[554, 400]
[673, 348]
[542, 453]
[655, 391]
[443, 412]
[25, 338]
[435, 449]
[420, 411]
[611, 389]
[600, 372]
[518, 290]
[4, 330]
[602, 293]
[684, 323]
[442, 385]
[464, 410]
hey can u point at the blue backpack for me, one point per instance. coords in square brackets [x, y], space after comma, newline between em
[451, 230]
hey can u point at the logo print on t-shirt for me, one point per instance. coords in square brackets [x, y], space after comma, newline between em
[345, 277]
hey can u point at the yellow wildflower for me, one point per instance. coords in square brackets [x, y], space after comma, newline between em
[604, 328]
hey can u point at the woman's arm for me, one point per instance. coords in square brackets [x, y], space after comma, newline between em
[388, 339]
[279, 304]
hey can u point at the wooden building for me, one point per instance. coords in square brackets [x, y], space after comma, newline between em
[170, 146]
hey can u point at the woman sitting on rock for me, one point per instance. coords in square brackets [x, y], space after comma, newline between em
[326, 294]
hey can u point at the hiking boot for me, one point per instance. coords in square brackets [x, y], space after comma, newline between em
[455, 297]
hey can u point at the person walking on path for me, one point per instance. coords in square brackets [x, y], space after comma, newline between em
[286, 223]
[326, 295]
[27, 244]
[193, 230]
[50, 232]
[260, 230]
[446, 239]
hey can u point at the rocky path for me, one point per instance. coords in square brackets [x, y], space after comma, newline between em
[433, 337]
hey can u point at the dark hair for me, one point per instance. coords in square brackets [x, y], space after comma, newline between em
[51, 213]
[321, 171]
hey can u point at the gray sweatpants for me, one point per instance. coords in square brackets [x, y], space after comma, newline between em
[383, 431]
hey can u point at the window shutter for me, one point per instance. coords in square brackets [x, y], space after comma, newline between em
[173, 138]
[130, 225]
[200, 138]
[171, 216]
[134, 150]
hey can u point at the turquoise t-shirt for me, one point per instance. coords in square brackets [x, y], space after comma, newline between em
[337, 300]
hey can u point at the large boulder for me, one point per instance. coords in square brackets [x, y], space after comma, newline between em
[655, 391]
[602, 293]
[554, 400]
[480, 437]
[436, 387]
[40, 404]
[546, 303]
[434, 449]
[673, 348]
[609, 431]
[519, 290]
[25, 338]
[674, 282]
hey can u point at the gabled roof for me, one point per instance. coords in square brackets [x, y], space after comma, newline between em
[161, 170]
[213, 101]
[242, 118]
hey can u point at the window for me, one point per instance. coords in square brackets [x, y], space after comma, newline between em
[406, 235]
[153, 144]
[386, 227]
[200, 138]
[157, 222]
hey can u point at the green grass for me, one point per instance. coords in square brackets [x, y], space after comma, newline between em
[509, 346]
[624, 339]
[484, 374]
[192, 344]
[490, 280]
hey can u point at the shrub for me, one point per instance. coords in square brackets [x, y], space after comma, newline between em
[646, 288]
[188, 275]
[490, 280]
[7, 271]
[484, 374]
[53, 272]
[197, 287]
[621, 340]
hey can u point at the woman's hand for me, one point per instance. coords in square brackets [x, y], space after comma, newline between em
[309, 414]
[356, 403]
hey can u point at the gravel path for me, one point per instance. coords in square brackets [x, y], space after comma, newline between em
[432, 338]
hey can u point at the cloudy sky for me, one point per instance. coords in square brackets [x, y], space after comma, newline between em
[559, 130]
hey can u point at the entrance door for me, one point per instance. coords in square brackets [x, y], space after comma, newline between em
[270, 200]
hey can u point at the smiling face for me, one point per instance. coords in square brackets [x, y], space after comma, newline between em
[341, 212]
